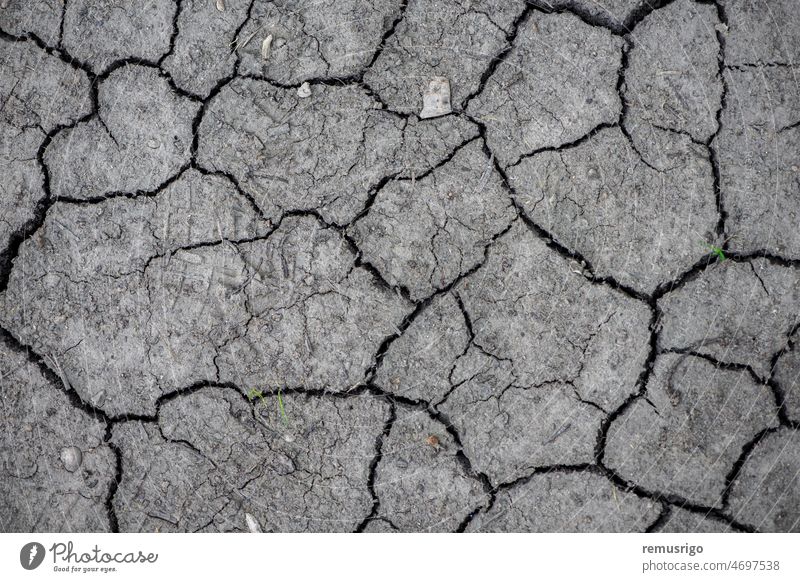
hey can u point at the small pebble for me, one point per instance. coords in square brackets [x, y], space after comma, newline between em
[221, 5]
[71, 457]
[433, 441]
[266, 48]
[252, 523]
[436, 100]
[304, 90]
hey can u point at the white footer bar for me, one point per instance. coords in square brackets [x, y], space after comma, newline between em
[491, 557]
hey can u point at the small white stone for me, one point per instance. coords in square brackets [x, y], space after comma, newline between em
[252, 523]
[266, 48]
[436, 100]
[304, 90]
[221, 5]
[71, 457]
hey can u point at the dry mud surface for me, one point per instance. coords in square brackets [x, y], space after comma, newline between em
[245, 285]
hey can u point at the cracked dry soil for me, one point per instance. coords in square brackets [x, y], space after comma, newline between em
[243, 285]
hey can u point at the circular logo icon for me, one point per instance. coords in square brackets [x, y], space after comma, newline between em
[31, 555]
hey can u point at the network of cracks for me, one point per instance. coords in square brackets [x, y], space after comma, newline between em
[245, 286]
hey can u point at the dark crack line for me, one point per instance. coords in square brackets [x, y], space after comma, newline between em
[200, 115]
[238, 32]
[437, 416]
[676, 500]
[780, 410]
[732, 366]
[466, 465]
[387, 34]
[79, 403]
[773, 259]
[235, 183]
[373, 468]
[52, 376]
[645, 9]
[92, 200]
[621, 92]
[576, 468]
[666, 500]
[640, 387]
[777, 389]
[396, 176]
[733, 474]
[113, 520]
[687, 276]
[58, 52]
[138, 61]
[760, 65]
[552, 242]
[712, 516]
[667, 512]
[61, 23]
[174, 394]
[511, 37]
[175, 31]
[421, 305]
[354, 79]
[568, 145]
[604, 18]
[661, 520]
[721, 227]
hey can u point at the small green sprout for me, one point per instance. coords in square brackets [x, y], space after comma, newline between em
[256, 393]
[281, 408]
[717, 251]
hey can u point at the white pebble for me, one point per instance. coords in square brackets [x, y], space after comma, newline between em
[252, 523]
[304, 90]
[266, 48]
[436, 100]
[71, 457]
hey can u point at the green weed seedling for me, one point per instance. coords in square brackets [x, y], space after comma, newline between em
[256, 393]
[281, 408]
[717, 251]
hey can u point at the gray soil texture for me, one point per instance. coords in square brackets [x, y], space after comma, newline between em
[248, 285]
